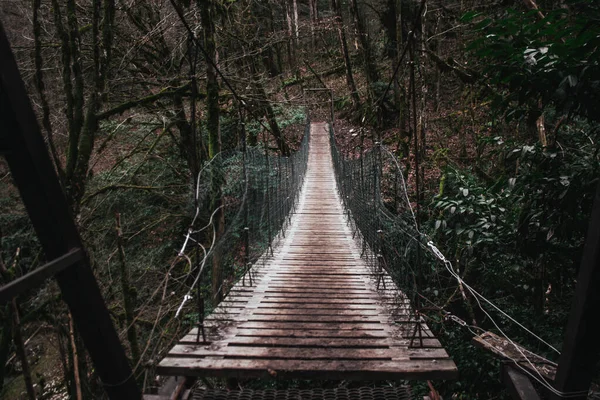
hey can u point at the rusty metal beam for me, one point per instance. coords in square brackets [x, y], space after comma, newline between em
[581, 348]
[33, 173]
[39, 275]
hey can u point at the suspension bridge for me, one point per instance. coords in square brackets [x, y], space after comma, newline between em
[331, 262]
[315, 306]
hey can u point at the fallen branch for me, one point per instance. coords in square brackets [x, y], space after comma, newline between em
[315, 74]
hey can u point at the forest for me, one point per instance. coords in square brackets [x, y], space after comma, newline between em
[151, 108]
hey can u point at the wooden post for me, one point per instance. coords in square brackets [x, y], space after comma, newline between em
[50, 215]
[518, 384]
[581, 347]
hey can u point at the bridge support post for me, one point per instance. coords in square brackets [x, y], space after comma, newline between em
[581, 348]
[50, 214]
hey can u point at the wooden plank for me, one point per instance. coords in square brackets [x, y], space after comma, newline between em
[365, 343]
[307, 333]
[339, 279]
[287, 353]
[319, 307]
[347, 370]
[504, 349]
[316, 301]
[427, 354]
[318, 342]
[317, 290]
[519, 385]
[318, 312]
[358, 326]
[316, 318]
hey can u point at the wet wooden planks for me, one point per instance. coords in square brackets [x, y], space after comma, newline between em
[313, 310]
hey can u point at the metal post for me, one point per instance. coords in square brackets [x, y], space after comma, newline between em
[200, 296]
[581, 348]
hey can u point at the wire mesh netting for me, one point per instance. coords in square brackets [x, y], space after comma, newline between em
[374, 192]
[247, 197]
[363, 393]
[374, 197]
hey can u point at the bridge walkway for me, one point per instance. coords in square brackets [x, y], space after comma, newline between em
[313, 310]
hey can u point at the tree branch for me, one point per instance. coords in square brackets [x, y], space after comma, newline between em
[123, 186]
[121, 108]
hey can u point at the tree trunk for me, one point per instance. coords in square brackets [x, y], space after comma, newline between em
[81, 114]
[399, 89]
[314, 16]
[20, 348]
[270, 56]
[269, 113]
[291, 41]
[186, 142]
[61, 336]
[77, 377]
[129, 295]
[344, 44]
[365, 46]
[541, 128]
[74, 44]
[13, 310]
[424, 93]
[275, 131]
[41, 89]
[214, 141]
[296, 33]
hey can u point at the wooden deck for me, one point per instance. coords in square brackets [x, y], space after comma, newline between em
[313, 310]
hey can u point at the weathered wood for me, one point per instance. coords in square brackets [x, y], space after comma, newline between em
[314, 310]
[519, 385]
[306, 333]
[39, 275]
[288, 353]
[306, 369]
[504, 349]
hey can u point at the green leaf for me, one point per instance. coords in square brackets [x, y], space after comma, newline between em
[469, 16]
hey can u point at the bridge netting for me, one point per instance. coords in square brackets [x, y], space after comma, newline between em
[374, 193]
[255, 190]
[259, 189]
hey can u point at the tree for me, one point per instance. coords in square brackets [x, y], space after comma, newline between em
[539, 61]
[214, 138]
[368, 58]
[339, 21]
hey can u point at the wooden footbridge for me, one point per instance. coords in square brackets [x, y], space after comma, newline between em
[313, 309]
